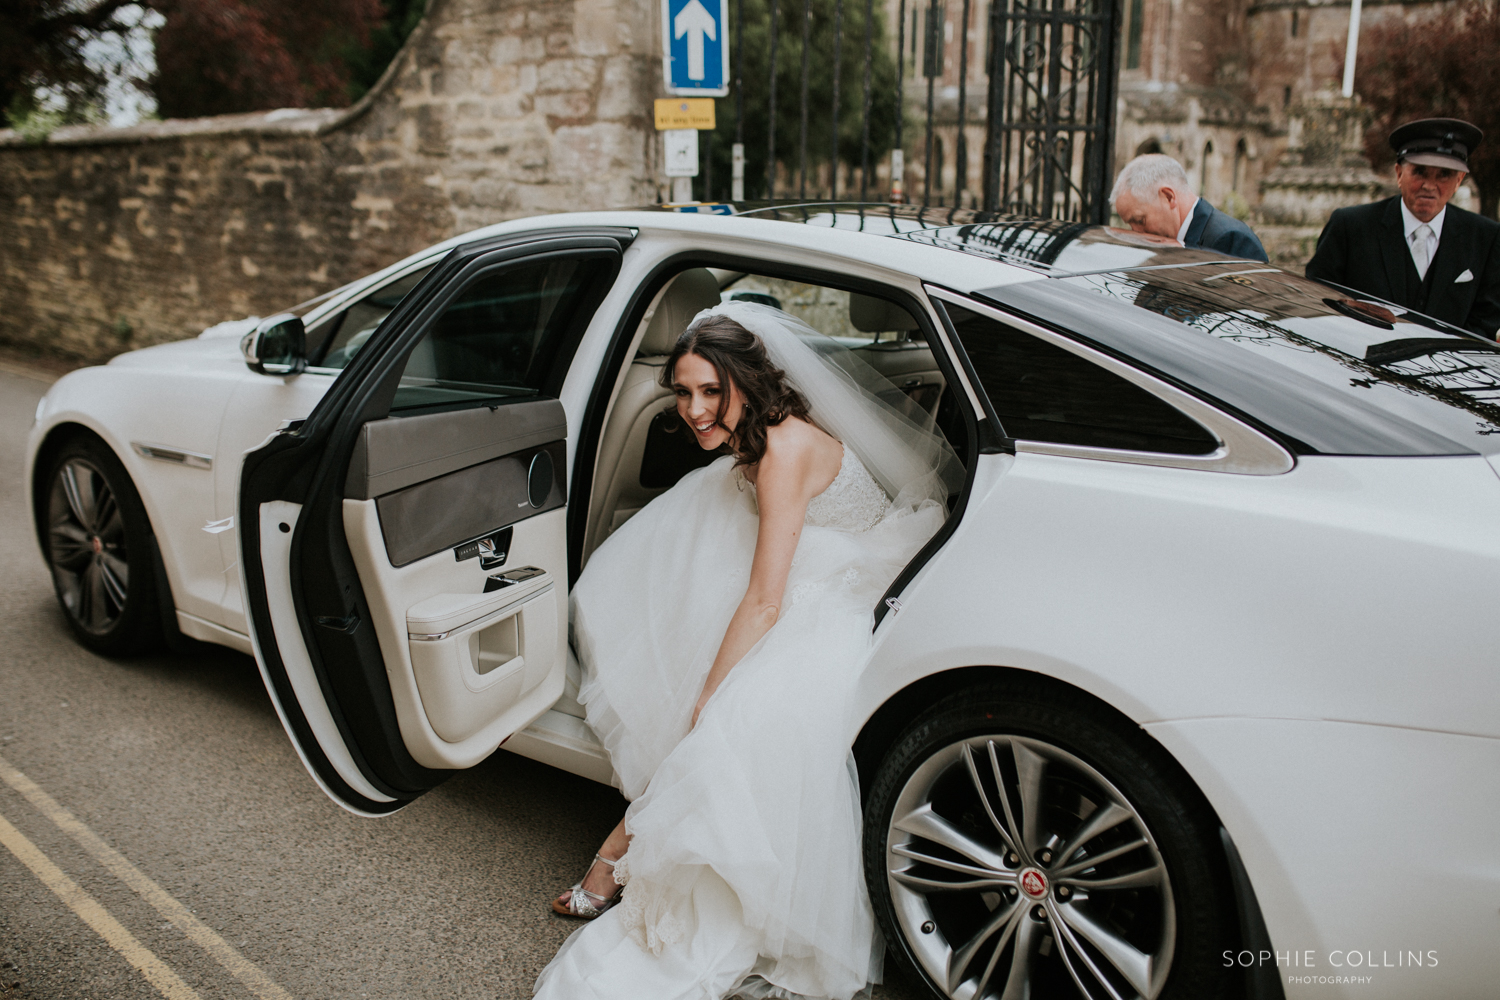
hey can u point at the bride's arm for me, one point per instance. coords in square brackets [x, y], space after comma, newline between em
[786, 481]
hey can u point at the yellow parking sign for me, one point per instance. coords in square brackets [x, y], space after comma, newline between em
[684, 112]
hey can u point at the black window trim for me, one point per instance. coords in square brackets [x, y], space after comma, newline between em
[1242, 450]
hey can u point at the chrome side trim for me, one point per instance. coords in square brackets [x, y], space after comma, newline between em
[1236, 274]
[501, 613]
[176, 456]
[1242, 450]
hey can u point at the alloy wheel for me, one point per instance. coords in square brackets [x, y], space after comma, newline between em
[1017, 870]
[86, 545]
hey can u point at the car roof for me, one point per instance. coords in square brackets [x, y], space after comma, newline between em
[1179, 312]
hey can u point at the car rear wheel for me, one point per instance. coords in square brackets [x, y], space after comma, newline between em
[1018, 844]
[98, 543]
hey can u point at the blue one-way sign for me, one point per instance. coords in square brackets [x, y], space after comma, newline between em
[695, 39]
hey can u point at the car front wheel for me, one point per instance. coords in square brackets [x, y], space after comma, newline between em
[1021, 844]
[98, 542]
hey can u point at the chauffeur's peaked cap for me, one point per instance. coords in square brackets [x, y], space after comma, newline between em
[1436, 142]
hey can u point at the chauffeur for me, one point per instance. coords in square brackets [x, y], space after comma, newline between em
[1415, 249]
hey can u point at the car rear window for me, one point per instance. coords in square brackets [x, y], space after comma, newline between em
[1412, 367]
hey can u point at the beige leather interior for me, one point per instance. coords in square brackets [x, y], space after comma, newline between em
[907, 363]
[871, 315]
[618, 492]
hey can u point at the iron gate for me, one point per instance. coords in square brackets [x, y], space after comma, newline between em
[1047, 153]
[1030, 82]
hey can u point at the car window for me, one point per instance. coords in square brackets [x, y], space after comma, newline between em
[1404, 363]
[1041, 392]
[334, 342]
[501, 337]
[851, 319]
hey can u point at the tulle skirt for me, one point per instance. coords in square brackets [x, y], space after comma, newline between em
[744, 864]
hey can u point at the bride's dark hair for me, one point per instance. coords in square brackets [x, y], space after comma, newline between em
[739, 358]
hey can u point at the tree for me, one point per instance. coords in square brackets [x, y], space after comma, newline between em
[217, 57]
[757, 51]
[367, 63]
[1443, 66]
[212, 56]
[42, 44]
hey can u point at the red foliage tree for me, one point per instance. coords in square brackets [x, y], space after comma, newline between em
[1443, 66]
[223, 56]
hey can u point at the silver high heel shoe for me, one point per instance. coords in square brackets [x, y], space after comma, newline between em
[587, 905]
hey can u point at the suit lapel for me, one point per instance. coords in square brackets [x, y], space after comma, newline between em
[1448, 264]
[1393, 251]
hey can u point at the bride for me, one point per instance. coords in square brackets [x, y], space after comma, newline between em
[721, 632]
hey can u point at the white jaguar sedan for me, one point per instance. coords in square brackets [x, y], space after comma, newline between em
[1194, 695]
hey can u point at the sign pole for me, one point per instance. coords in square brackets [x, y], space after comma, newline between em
[695, 68]
[679, 120]
[1351, 49]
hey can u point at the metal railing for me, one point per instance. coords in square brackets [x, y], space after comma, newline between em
[1031, 82]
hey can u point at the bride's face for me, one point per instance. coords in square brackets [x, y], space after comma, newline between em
[699, 394]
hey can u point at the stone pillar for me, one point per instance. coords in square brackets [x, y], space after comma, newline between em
[1322, 168]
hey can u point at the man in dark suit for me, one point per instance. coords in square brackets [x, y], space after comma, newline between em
[1415, 249]
[1152, 195]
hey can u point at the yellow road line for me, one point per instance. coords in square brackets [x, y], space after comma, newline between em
[90, 912]
[167, 905]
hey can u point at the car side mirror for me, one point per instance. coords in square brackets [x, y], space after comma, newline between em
[278, 346]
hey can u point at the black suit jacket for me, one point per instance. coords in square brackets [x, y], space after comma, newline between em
[1364, 248]
[1214, 230]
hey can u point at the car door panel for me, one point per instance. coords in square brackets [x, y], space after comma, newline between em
[468, 665]
[392, 454]
[431, 470]
[471, 503]
[458, 690]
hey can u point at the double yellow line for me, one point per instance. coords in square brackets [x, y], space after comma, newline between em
[89, 910]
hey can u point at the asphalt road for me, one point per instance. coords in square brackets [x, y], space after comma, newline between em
[153, 810]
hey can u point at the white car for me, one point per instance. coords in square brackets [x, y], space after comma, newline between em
[1195, 692]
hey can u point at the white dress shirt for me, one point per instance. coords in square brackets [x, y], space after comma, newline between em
[1409, 226]
[1182, 233]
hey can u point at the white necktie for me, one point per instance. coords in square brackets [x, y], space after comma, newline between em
[1422, 239]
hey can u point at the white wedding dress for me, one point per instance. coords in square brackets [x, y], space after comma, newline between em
[744, 868]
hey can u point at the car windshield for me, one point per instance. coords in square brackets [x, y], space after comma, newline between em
[1407, 365]
[341, 336]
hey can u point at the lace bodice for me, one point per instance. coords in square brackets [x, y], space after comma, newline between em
[854, 501]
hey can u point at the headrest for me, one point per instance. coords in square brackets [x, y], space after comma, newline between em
[871, 315]
[690, 293]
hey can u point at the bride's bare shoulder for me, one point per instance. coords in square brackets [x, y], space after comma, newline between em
[799, 449]
[796, 439]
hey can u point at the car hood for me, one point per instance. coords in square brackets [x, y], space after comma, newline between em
[184, 355]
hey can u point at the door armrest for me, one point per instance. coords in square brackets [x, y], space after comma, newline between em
[441, 614]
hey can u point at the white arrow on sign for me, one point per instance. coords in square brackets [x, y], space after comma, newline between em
[695, 21]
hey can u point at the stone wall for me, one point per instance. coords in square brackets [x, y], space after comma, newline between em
[112, 239]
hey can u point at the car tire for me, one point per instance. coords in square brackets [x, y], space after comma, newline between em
[99, 547]
[971, 914]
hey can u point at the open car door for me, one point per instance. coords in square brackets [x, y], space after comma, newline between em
[404, 549]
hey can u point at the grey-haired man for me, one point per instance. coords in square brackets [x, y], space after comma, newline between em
[1152, 195]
